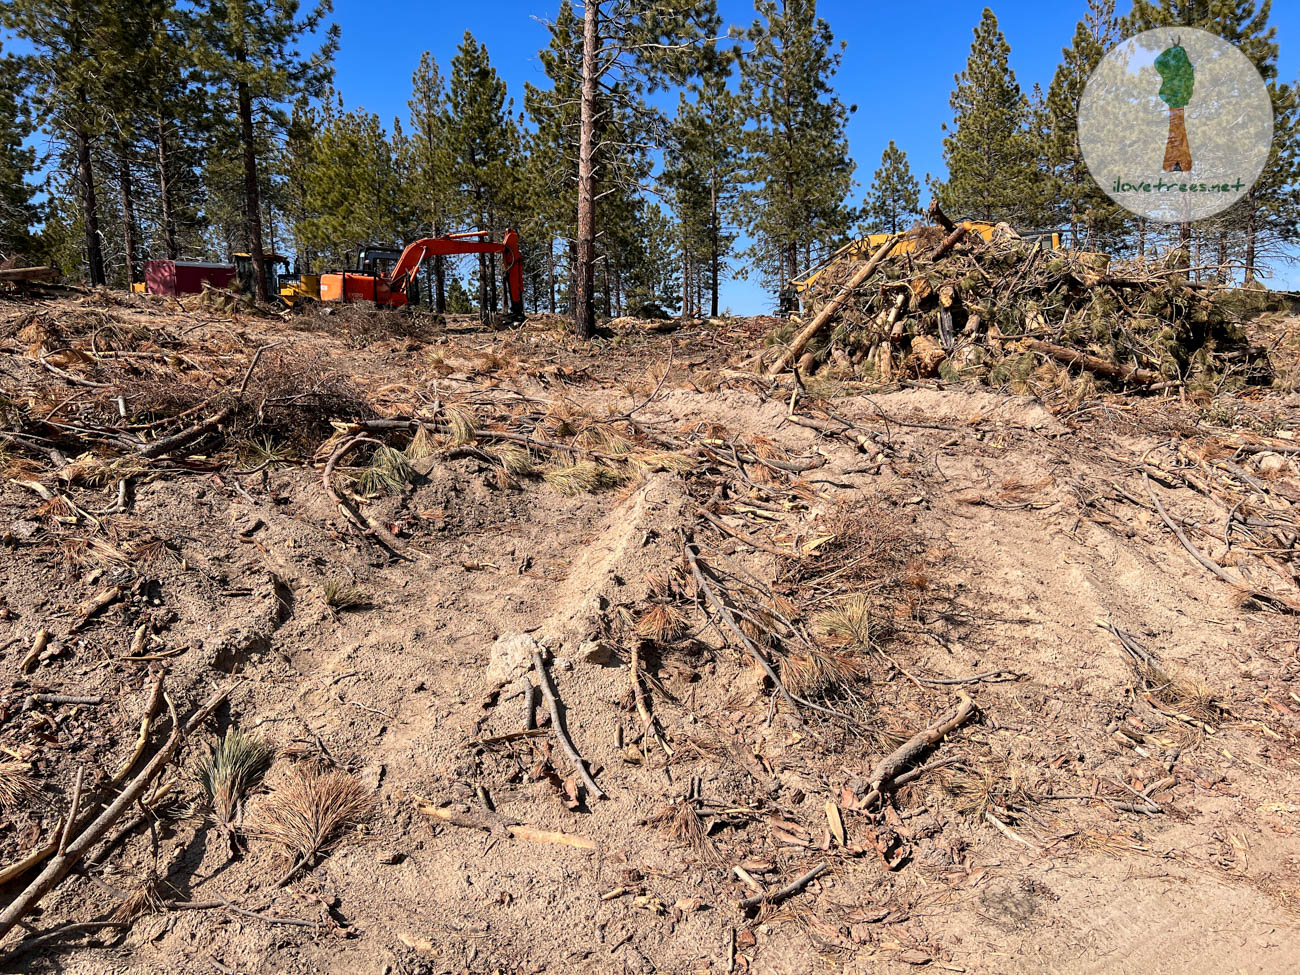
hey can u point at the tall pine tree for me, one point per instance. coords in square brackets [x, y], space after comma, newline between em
[992, 170]
[799, 169]
[17, 211]
[1092, 217]
[249, 50]
[894, 200]
[482, 164]
[66, 91]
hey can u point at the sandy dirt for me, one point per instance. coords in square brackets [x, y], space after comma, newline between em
[1088, 817]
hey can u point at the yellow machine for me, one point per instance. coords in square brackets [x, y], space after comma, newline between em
[300, 288]
[863, 247]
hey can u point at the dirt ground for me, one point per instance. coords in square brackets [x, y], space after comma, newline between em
[888, 552]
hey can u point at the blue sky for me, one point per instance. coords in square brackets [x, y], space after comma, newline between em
[898, 66]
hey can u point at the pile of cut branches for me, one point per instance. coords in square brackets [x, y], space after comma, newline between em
[943, 301]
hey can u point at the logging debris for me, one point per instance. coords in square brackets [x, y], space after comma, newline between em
[1007, 310]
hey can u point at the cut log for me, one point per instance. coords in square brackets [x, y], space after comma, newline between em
[1111, 370]
[29, 274]
[832, 307]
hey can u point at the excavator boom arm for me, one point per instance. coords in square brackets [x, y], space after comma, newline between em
[416, 252]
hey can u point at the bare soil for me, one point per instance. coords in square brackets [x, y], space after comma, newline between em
[1091, 817]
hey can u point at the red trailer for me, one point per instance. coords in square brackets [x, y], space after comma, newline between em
[185, 277]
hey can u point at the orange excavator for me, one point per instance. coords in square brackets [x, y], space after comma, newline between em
[390, 291]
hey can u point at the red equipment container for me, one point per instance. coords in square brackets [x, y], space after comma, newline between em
[185, 277]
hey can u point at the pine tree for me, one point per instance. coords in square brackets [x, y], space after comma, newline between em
[350, 180]
[431, 162]
[894, 200]
[702, 167]
[992, 172]
[626, 48]
[552, 148]
[1270, 213]
[796, 149]
[248, 49]
[1091, 215]
[479, 124]
[17, 211]
[65, 91]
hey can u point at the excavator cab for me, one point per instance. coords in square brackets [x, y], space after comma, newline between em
[378, 260]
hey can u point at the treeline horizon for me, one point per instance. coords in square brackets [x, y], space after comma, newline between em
[203, 128]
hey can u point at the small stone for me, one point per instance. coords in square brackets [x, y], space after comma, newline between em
[595, 652]
[510, 656]
[1270, 463]
[390, 856]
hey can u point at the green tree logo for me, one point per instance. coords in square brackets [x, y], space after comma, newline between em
[1179, 78]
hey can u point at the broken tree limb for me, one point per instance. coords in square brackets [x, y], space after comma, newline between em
[888, 768]
[948, 243]
[721, 608]
[29, 274]
[146, 721]
[60, 865]
[749, 903]
[187, 436]
[558, 726]
[833, 306]
[1071, 357]
[1259, 595]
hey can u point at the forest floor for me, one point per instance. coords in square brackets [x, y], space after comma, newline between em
[1117, 790]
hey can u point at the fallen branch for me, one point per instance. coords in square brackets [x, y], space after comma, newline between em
[832, 307]
[1258, 595]
[557, 725]
[888, 768]
[1071, 357]
[721, 608]
[749, 903]
[155, 698]
[187, 436]
[59, 867]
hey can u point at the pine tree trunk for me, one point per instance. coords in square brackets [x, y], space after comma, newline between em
[128, 212]
[715, 232]
[686, 283]
[439, 276]
[550, 274]
[584, 305]
[1221, 260]
[165, 190]
[252, 193]
[1142, 239]
[1252, 231]
[89, 205]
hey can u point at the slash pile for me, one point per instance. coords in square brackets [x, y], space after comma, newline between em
[947, 302]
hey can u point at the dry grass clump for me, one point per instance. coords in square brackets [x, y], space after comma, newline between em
[422, 445]
[460, 425]
[1183, 695]
[309, 813]
[584, 477]
[849, 620]
[16, 782]
[235, 765]
[993, 788]
[341, 595]
[814, 674]
[684, 825]
[516, 461]
[142, 900]
[388, 473]
[662, 623]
